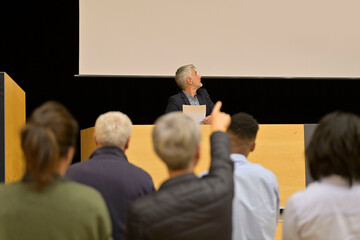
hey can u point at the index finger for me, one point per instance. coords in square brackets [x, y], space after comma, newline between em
[217, 107]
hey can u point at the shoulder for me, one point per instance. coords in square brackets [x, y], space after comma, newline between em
[140, 171]
[174, 103]
[203, 94]
[145, 207]
[78, 190]
[84, 197]
[256, 171]
[314, 192]
[6, 190]
[92, 165]
[304, 200]
[202, 91]
[76, 168]
[62, 192]
[139, 176]
[266, 172]
[176, 97]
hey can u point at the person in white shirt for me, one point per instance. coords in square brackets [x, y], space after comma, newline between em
[329, 207]
[256, 190]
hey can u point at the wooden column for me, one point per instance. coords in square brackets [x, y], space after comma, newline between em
[12, 118]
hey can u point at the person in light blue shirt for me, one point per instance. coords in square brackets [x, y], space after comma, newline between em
[256, 190]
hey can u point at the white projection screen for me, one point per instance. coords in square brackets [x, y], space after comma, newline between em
[222, 38]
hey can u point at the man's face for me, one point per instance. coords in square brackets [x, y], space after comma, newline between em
[196, 78]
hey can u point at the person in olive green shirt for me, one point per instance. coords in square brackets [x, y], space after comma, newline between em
[44, 205]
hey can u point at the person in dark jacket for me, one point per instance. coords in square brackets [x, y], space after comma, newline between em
[189, 81]
[109, 171]
[186, 207]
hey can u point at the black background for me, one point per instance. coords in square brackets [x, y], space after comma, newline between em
[39, 50]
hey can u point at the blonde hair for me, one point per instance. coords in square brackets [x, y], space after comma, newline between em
[113, 129]
[175, 139]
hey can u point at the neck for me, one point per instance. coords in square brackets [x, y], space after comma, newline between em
[241, 146]
[62, 168]
[190, 91]
[64, 162]
[244, 150]
[175, 173]
[242, 153]
[100, 146]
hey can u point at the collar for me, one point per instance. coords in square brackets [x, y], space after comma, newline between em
[238, 158]
[336, 180]
[109, 150]
[28, 179]
[175, 181]
[189, 96]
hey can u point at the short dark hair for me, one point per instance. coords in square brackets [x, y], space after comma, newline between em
[335, 147]
[244, 126]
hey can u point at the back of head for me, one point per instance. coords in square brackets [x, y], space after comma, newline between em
[335, 147]
[46, 138]
[176, 138]
[182, 74]
[243, 126]
[113, 129]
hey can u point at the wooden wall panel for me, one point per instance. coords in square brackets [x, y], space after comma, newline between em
[14, 119]
[280, 148]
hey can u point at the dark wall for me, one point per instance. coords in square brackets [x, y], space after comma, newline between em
[39, 50]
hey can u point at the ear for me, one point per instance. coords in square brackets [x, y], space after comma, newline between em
[65, 161]
[69, 155]
[127, 144]
[95, 140]
[252, 147]
[197, 156]
[189, 81]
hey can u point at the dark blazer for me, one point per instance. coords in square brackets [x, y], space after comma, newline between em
[176, 101]
[119, 182]
[187, 207]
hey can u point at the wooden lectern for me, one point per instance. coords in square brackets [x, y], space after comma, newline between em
[13, 117]
[279, 148]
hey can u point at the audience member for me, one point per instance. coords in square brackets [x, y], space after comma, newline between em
[329, 207]
[44, 205]
[186, 207]
[189, 81]
[109, 171]
[256, 190]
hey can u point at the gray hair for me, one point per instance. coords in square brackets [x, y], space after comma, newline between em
[113, 129]
[182, 74]
[175, 139]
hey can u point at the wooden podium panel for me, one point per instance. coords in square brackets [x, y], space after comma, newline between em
[141, 153]
[13, 110]
[279, 148]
